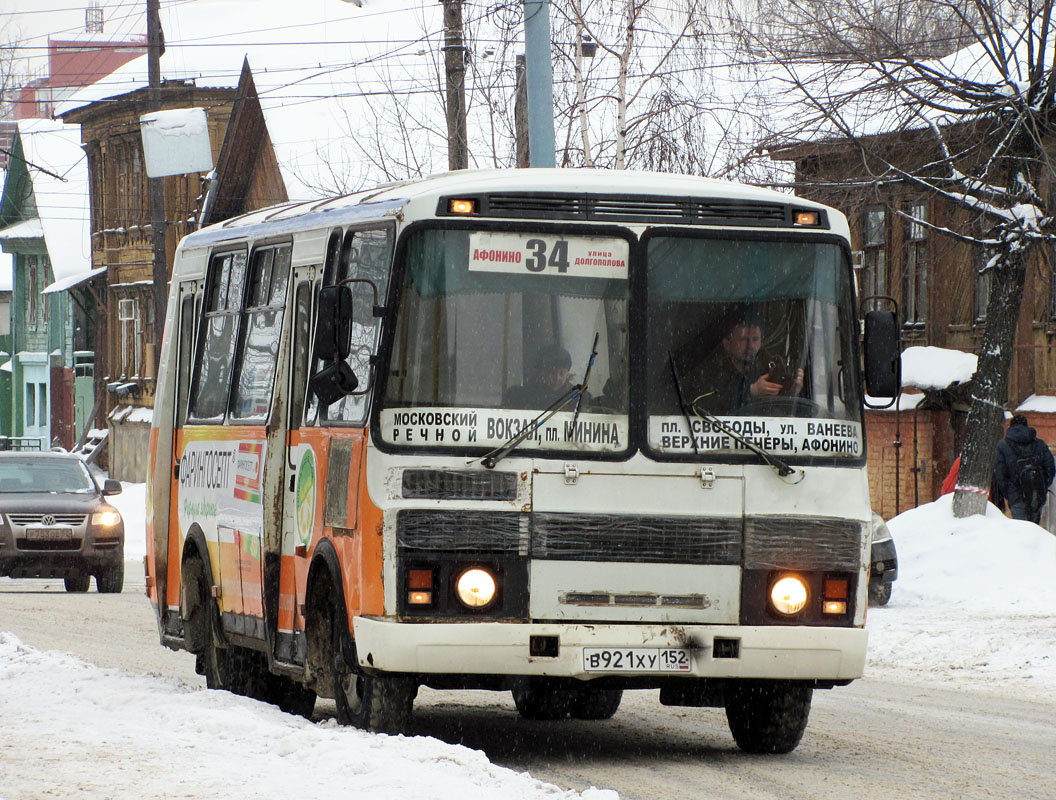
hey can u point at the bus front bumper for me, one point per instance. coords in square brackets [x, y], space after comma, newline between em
[716, 651]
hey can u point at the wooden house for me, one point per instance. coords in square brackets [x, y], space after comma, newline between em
[942, 299]
[43, 225]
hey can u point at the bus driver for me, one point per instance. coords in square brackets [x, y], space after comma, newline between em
[731, 375]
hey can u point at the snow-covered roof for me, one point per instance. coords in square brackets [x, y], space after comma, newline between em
[58, 169]
[26, 229]
[1038, 404]
[885, 96]
[936, 367]
[301, 64]
[73, 280]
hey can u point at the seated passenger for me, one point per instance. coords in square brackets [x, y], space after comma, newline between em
[549, 379]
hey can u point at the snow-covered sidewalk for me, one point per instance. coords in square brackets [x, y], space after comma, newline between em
[109, 734]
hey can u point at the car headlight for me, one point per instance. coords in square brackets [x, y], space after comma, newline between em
[476, 588]
[106, 519]
[788, 595]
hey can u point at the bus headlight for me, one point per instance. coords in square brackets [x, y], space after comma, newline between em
[788, 595]
[475, 588]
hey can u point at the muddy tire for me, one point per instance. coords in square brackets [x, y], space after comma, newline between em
[290, 696]
[595, 703]
[767, 716]
[879, 593]
[539, 698]
[372, 703]
[77, 583]
[111, 580]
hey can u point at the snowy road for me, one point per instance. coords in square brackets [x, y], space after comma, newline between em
[879, 738]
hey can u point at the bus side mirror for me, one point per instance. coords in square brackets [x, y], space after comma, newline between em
[883, 363]
[333, 382]
[333, 327]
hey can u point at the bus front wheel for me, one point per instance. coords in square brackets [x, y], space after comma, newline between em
[767, 716]
[373, 703]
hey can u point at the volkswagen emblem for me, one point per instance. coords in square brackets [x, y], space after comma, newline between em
[47, 519]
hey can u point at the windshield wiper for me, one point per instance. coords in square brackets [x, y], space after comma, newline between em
[490, 460]
[686, 411]
[778, 465]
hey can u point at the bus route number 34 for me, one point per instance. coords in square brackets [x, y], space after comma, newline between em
[636, 659]
[537, 259]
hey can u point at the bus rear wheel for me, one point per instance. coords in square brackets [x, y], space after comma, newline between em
[767, 716]
[372, 703]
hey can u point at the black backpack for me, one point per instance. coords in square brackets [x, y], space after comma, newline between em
[1030, 479]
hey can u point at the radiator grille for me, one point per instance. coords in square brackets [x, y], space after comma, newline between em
[61, 545]
[435, 484]
[65, 520]
[586, 537]
[664, 540]
[802, 543]
[463, 531]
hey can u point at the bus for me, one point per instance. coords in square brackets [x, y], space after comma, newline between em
[562, 433]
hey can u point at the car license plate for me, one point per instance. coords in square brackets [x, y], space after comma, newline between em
[49, 534]
[637, 659]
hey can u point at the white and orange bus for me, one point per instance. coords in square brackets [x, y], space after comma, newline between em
[501, 430]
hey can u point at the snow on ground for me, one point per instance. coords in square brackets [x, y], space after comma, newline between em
[974, 607]
[184, 741]
[974, 604]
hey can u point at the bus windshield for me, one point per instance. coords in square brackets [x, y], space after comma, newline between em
[751, 339]
[495, 326]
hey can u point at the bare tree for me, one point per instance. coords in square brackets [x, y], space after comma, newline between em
[839, 30]
[646, 100]
[974, 128]
[10, 80]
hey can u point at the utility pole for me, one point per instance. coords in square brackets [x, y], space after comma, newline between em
[520, 115]
[540, 80]
[156, 196]
[455, 67]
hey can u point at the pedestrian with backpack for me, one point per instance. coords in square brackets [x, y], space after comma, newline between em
[1024, 470]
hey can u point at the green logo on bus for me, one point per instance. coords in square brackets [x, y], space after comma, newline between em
[306, 497]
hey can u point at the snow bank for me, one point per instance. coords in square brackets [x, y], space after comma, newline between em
[177, 740]
[975, 602]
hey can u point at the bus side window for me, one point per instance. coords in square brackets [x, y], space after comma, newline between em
[186, 333]
[258, 342]
[219, 328]
[302, 334]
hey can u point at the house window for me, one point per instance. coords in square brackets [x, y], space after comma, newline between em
[915, 265]
[31, 405]
[32, 294]
[42, 400]
[874, 267]
[131, 330]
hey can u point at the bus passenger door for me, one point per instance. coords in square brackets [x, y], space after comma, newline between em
[167, 553]
[304, 456]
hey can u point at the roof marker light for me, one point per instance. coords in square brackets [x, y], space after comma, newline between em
[462, 206]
